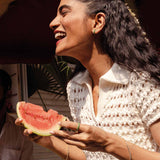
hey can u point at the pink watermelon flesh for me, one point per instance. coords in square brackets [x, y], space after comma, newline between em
[39, 121]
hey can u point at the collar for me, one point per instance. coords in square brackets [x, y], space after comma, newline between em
[116, 74]
[82, 78]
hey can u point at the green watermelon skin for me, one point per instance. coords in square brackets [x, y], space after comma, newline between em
[36, 119]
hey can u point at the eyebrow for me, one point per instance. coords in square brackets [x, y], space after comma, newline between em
[64, 6]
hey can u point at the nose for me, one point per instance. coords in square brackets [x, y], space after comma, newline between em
[54, 23]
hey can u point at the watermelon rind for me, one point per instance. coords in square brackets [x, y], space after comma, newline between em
[34, 129]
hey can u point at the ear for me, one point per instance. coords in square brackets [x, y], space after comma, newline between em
[99, 22]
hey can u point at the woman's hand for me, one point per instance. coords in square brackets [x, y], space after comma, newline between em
[44, 141]
[86, 137]
[53, 143]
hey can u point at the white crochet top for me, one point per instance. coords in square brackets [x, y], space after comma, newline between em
[128, 104]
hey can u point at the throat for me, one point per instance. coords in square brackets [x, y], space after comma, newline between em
[95, 93]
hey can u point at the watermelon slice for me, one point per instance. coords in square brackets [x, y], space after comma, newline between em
[36, 119]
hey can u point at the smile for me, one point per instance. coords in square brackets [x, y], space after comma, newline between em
[60, 35]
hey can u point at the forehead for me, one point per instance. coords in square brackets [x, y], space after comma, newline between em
[67, 2]
[71, 3]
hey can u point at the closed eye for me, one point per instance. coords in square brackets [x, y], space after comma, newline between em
[63, 13]
[63, 10]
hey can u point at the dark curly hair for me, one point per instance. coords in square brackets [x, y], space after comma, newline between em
[123, 39]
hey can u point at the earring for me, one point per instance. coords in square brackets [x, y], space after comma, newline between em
[94, 31]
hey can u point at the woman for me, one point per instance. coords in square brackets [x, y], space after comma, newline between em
[114, 93]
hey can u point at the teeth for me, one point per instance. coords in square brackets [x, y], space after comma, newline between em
[59, 35]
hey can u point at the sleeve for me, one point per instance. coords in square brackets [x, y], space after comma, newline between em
[148, 101]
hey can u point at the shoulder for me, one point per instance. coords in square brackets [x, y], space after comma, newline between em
[145, 82]
[147, 97]
[142, 79]
[144, 88]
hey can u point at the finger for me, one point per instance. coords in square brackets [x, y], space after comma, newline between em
[19, 122]
[67, 119]
[73, 126]
[81, 145]
[35, 137]
[27, 132]
[83, 137]
[59, 133]
[32, 136]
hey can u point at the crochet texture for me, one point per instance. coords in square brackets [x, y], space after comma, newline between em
[125, 109]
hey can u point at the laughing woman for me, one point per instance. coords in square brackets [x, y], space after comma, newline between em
[114, 95]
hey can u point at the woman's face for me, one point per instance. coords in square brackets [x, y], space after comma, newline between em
[72, 29]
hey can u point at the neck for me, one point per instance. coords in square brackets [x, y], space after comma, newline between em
[94, 60]
[97, 66]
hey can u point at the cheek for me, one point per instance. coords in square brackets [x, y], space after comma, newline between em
[74, 24]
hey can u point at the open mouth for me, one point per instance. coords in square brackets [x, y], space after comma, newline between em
[60, 35]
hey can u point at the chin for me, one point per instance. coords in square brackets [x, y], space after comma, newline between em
[61, 53]
[58, 52]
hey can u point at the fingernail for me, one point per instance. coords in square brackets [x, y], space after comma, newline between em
[59, 123]
[51, 132]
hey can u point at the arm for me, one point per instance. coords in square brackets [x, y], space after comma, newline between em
[61, 148]
[95, 139]
[55, 144]
[139, 153]
[118, 148]
[155, 128]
